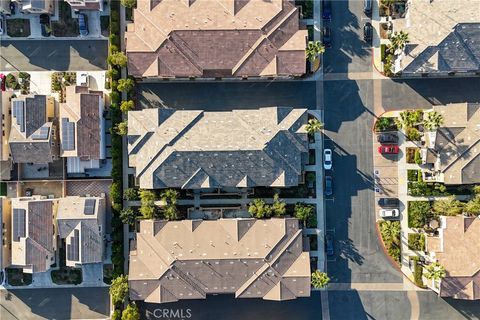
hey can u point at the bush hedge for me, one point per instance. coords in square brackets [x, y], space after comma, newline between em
[416, 241]
[418, 212]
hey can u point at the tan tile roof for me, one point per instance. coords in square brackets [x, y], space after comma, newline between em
[458, 143]
[459, 253]
[223, 256]
[215, 38]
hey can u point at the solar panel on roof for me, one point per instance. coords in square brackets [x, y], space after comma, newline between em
[72, 248]
[89, 206]
[19, 229]
[18, 113]
[68, 134]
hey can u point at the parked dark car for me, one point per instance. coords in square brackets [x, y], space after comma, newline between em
[388, 202]
[367, 32]
[82, 24]
[12, 8]
[327, 37]
[367, 7]
[327, 9]
[329, 245]
[387, 138]
[328, 186]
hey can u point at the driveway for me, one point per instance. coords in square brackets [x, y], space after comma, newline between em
[58, 55]
[75, 303]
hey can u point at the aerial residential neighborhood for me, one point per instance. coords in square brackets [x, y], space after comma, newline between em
[240, 159]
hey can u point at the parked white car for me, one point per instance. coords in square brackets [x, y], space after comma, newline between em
[389, 213]
[327, 159]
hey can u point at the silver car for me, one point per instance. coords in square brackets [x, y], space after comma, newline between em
[389, 213]
[327, 159]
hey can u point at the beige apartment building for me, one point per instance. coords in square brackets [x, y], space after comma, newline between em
[216, 38]
[190, 259]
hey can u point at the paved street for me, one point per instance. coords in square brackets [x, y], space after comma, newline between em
[57, 55]
[62, 304]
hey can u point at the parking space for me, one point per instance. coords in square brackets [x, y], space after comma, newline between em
[385, 174]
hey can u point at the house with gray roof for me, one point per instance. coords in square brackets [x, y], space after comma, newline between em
[36, 6]
[81, 222]
[453, 150]
[32, 136]
[197, 149]
[82, 129]
[190, 259]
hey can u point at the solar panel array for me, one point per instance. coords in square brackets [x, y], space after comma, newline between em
[73, 248]
[19, 227]
[89, 208]
[18, 112]
[41, 134]
[68, 134]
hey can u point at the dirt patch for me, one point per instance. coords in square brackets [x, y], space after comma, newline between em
[18, 28]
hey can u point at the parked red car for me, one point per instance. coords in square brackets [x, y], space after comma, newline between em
[388, 149]
[2, 82]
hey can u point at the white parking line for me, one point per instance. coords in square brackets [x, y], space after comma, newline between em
[330, 199]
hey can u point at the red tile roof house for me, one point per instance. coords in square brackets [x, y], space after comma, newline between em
[215, 38]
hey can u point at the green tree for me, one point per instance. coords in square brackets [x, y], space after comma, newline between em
[128, 216]
[127, 106]
[130, 194]
[119, 289]
[313, 50]
[170, 212]
[112, 74]
[117, 315]
[448, 207]
[412, 134]
[432, 121]
[259, 209]
[313, 125]
[303, 212]
[169, 196]
[319, 279]
[390, 231]
[279, 207]
[122, 128]
[128, 3]
[147, 208]
[472, 207]
[125, 84]
[435, 271]
[382, 124]
[408, 118]
[11, 82]
[118, 59]
[131, 312]
[399, 40]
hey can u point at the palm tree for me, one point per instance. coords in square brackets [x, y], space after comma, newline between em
[313, 125]
[319, 279]
[435, 271]
[314, 49]
[433, 121]
[390, 231]
[399, 40]
[448, 207]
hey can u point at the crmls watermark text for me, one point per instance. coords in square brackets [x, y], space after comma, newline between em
[168, 314]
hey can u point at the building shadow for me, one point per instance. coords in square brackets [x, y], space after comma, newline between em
[224, 96]
[57, 303]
